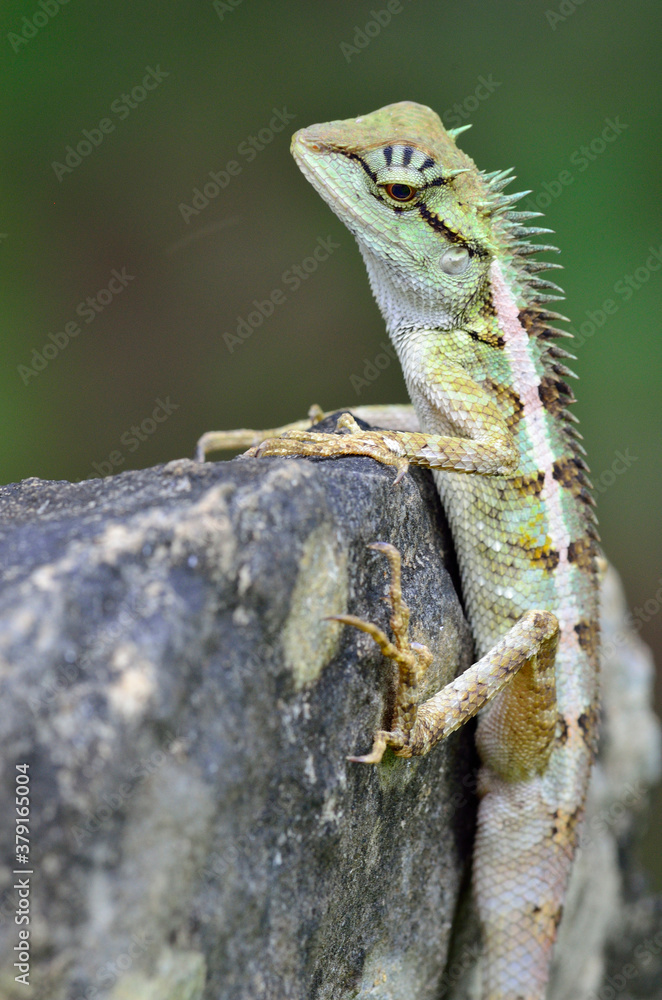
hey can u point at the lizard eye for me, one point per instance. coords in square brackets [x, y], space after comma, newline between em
[400, 192]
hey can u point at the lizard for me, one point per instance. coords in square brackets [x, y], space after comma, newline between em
[449, 260]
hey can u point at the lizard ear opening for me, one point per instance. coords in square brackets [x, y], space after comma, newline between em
[455, 260]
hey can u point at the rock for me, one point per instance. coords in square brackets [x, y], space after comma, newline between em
[185, 713]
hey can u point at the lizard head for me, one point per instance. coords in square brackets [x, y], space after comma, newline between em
[418, 206]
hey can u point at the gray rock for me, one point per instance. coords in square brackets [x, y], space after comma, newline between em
[195, 828]
[186, 714]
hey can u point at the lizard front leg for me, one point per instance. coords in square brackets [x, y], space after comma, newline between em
[397, 416]
[480, 440]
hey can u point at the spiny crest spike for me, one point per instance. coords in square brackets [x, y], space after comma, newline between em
[542, 283]
[534, 266]
[509, 199]
[548, 314]
[529, 230]
[499, 185]
[496, 174]
[524, 249]
[554, 331]
[454, 132]
[564, 372]
[499, 179]
[559, 352]
[523, 216]
[450, 174]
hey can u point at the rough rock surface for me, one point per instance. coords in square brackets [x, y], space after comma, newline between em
[186, 714]
[195, 829]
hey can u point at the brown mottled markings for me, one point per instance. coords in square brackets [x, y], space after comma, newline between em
[536, 322]
[487, 309]
[588, 726]
[532, 322]
[561, 729]
[543, 556]
[588, 634]
[564, 825]
[582, 553]
[486, 336]
[569, 472]
[529, 486]
[547, 913]
[554, 395]
[546, 558]
[521, 486]
[509, 403]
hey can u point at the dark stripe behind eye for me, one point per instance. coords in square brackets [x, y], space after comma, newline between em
[440, 227]
[407, 155]
[388, 154]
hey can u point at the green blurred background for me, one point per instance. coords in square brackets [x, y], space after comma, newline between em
[539, 79]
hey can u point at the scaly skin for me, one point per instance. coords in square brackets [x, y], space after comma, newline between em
[449, 264]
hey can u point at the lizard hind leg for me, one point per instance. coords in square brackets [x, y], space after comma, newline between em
[411, 658]
[516, 676]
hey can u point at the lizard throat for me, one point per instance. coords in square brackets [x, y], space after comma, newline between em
[403, 305]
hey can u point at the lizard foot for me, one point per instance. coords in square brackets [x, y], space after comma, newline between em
[245, 438]
[351, 440]
[412, 660]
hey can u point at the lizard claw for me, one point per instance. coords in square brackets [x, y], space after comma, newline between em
[378, 747]
[402, 468]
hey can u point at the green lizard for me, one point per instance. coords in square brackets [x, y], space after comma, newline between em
[449, 264]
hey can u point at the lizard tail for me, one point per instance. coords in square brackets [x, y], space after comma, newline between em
[523, 855]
